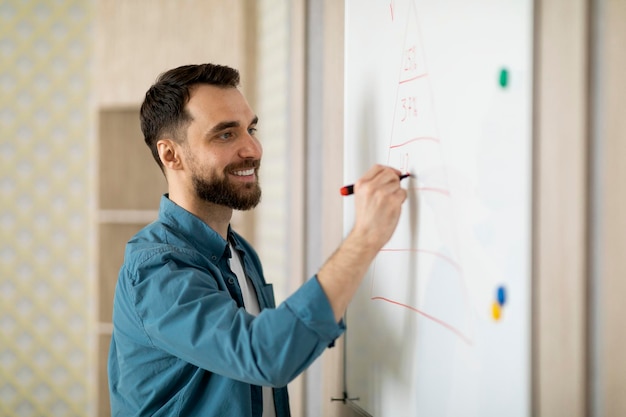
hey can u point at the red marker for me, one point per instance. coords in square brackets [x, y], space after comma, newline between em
[349, 189]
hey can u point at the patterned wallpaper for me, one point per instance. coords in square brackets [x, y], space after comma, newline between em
[46, 277]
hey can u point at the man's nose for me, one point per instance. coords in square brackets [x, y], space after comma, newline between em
[251, 147]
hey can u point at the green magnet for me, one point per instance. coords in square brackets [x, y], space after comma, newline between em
[504, 77]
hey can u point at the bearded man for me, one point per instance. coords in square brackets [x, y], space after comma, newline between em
[195, 328]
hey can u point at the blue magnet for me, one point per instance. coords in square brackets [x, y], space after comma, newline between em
[501, 295]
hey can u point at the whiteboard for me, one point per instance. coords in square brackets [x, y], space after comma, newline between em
[442, 89]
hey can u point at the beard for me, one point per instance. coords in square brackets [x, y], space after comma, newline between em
[221, 191]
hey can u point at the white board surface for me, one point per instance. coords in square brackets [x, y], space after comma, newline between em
[442, 89]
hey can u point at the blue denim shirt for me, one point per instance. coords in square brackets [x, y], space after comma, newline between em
[182, 343]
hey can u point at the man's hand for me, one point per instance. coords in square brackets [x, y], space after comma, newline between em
[378, 201]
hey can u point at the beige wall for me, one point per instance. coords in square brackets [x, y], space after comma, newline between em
[137, 40]
[560, 193]
[608, 239]
[580, 232]
[278, 229]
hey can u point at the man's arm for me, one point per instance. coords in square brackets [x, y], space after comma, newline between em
[378, 200]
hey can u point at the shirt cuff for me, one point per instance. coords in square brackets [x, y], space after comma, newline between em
[310, 304]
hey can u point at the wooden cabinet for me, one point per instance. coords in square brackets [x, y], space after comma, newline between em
[130, 185]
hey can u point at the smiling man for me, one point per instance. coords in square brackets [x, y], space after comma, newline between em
[195, 328]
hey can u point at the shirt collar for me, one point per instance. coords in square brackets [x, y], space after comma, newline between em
[193, 229]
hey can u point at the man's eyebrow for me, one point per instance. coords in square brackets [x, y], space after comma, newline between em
[222, 126]
[229, 124]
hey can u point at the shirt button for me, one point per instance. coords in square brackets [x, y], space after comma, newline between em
[213, 257]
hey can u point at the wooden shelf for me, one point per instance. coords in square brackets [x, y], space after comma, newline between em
[129, 178]
[130, 186]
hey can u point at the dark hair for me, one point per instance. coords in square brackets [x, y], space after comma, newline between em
[163, 109]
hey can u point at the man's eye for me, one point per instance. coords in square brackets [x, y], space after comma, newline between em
[252, 131]
[225, 135]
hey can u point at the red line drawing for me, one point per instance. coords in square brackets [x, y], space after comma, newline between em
[416, 77]
[409, 135]
[428, 316]
[399, 145]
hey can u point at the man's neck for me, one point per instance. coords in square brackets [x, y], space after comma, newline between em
[215, 216]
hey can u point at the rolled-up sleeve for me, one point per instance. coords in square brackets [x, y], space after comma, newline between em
[312, 307]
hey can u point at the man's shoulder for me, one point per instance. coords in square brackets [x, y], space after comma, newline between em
[154, 242]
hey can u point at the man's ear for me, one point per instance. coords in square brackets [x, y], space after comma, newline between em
[170, 153]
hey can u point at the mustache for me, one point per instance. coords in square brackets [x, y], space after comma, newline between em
[246, 164]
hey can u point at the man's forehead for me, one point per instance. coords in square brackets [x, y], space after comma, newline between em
[216, 100]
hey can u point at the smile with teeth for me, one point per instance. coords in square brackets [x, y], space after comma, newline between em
[244, 173]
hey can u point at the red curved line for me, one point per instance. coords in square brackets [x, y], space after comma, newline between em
[433, 139]
[418, 76]
[428, 316]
